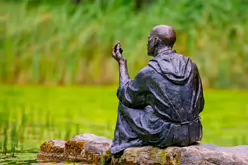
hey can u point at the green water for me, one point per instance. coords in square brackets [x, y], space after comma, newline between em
[32, 115]
[20, 158]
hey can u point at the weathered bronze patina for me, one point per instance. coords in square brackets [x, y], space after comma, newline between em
[161, 106]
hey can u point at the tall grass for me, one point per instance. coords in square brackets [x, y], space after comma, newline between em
[61, 43]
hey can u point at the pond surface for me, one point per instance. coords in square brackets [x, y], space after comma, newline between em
[33, 115]
[19, 158]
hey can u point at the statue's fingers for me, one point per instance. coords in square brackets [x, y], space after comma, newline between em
[113, 51]
[114, 55]
[115, 47]
[118, 46]
[119, 52]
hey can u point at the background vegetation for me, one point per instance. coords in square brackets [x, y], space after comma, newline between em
[66, 43]
[60, 42]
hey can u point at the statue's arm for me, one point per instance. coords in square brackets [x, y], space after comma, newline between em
[132, 93]
[123, 72]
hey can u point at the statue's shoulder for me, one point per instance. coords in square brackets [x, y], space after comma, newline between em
[146, 72]
[190, 63]
[181, 56]
[185, 58]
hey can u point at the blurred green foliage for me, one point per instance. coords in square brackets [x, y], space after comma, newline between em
[58, 42]
[31, 115]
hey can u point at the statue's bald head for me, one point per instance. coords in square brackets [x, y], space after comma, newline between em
[161, 36]
[166, 34]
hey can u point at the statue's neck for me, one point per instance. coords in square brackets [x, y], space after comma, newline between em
[164, 50]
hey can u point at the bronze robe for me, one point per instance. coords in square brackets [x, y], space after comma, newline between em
[161, 106]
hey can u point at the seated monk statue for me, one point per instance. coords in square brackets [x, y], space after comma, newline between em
[160, 107]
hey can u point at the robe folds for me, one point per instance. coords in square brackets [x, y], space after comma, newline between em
[161, 106]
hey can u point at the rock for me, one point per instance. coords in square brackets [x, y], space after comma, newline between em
[52, 151]
[85, 148]
[88, 148]
[210, 154]
[92, 149]
[191, 155]
[149, 155]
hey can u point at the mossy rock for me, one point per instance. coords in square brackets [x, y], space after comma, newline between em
[92, 149]
[191, 155]
[52, 151]
[86, 148]
[150, 156]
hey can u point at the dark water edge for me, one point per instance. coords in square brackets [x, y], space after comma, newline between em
[27, 158]
[19, 158]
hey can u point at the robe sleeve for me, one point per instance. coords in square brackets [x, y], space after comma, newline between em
[133, 92]
[200, 95]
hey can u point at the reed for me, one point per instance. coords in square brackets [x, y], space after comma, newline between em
[5, 136]
[22, 128]
[5, 123]
[49, 42]
[14, 140]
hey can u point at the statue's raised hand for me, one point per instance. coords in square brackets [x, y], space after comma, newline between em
[117, 52]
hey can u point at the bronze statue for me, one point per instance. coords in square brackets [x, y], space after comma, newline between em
[161, 106]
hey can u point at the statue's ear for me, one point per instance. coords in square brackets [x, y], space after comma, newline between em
[156, 41]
